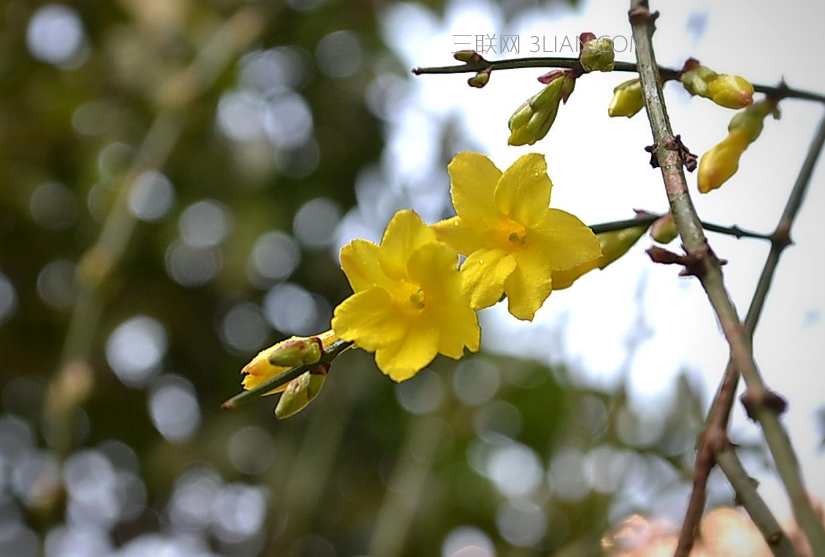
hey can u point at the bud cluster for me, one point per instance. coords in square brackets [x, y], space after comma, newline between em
[533, 119]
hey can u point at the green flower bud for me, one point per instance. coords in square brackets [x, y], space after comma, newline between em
[296, 352]
[480, 79]
[613, 244]
[628, 99]
[663, 229]
[618, 242]
[533, 119]
[468, 56]
[299, 393]
[597, 55]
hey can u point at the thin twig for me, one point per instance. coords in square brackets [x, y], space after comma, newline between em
[781, 91]
[648, 218]
[330, 353]
[723, 402]
[745, 487]
[763, 404]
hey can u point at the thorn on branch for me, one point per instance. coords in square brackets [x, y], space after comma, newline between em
[737, 501]
[674, 144]
[767, 399]
[695, 263]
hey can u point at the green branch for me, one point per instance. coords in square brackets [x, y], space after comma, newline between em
[746, 494]
[649, 218]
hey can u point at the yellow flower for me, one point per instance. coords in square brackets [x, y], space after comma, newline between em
[407, 304]
[512, 239]
[294, 351]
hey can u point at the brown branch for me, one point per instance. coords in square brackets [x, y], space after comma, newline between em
[710, 274]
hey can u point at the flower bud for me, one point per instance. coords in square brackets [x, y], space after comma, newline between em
[663, 229]
[613, 244]
[296, 352]
[468, 56]
[616, 243]
[627, 99]
[292, 352]
[730, 91]
[722, 161]
[480, 79]
[597, 55]
[533, 119]
[300, 392]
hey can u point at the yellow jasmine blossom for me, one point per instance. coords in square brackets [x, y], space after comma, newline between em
[512, 239]
[294, 351]
[407, 305]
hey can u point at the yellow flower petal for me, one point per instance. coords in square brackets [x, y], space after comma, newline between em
[523, 193]
[529, 285]
[405, 232]
[458, 235]
[434, 267]
[359, 260]
[370, 319]
[473, 180]
[484, 273]
[564, 240]
[459, 329]
[406, 357]
[565, 279]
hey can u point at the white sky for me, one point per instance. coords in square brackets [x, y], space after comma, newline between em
[611, 176]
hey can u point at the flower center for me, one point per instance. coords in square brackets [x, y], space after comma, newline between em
[412, 298]
[512, 236]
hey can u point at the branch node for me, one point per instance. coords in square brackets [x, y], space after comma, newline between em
[781, 238]
[674, 144]
[695, 263]
[766, 399]
[640, 12]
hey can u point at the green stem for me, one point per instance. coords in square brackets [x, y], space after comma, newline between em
[782, 91]
[330, 353]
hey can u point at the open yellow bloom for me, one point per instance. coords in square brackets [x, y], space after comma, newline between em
[512, 239]
[260, 369]
[407, 304]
